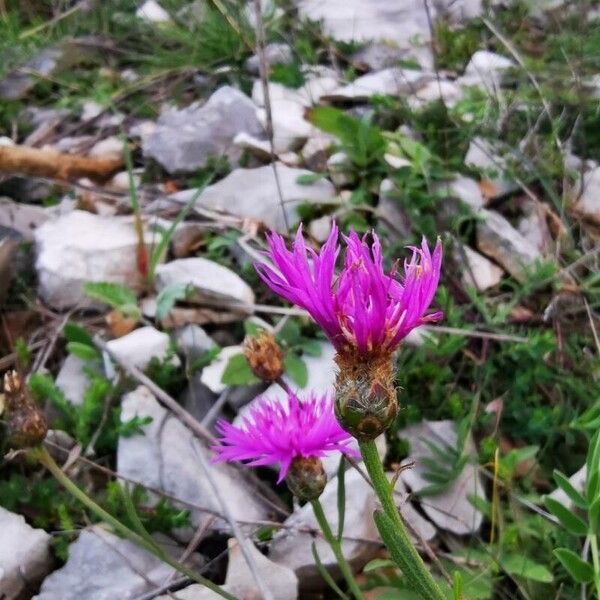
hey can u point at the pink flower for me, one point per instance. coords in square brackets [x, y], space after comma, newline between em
[274, 433]
[363, 308]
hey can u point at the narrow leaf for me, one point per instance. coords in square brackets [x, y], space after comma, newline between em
[341, 496]
[578, 569]
[296, 368]
[567, 487]
[326, 575]
[82, 351]
[568, 520]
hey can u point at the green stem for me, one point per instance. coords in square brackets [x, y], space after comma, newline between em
[47, 461]
[336, 546]
[596, 561]
[404, 552]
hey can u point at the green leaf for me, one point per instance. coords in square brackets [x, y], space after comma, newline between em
[593, 467]
[311, 347]
[325, 573]
[75, 333]
[166, 237]
[115, 295]
[83, 351]
[578, 569]
[238, 372]
[567, 487]
[378, 563]
[167, 298]
[296, 368]
[521, 566]
[568, 520]
[309, 178]
[341, 496]
[457, 585]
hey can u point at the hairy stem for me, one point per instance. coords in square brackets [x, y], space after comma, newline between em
[336, 546]
[47, 461]
[402, 549]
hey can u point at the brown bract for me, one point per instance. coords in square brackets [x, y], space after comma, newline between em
[365, 399]
[25, 422]
[265, 356]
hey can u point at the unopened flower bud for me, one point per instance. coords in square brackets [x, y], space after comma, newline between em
[265, 357]
[365, 400]
[306, 478]
[25, 422]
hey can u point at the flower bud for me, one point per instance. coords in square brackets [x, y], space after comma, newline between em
[264, 356]
[365, 400]
[25, 422]
[306, 478]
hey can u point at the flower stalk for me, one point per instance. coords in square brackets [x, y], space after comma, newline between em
[393, 530]
[44, 458]
[336, 546]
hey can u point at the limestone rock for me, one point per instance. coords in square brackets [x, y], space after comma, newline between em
[497, 238]
[24, 555]
[252, 193]
[140, 346]
[80, 247]
[395, 81]
[450, 509]
[185, 139]
[210, 281]
[102, 566]
[165, 457]
[477, 270]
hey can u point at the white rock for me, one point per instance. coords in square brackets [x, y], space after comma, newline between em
[111, 147]
[465, 189]
[394, 81]
[339, 168]
[80, 247]
[276, 53]
[193, 592]
[482, 155]
[210, 281]
[72, 380]
[193, 341]
[25, 218]
[477, 270]
[281, 580]
[290, 128]
[320, 228]
[497, 238]
[153, 12]
[140, 346]
[252, 193]
[24, 555]
[485, 68]
[588, 200]
[292, 549]
[165, 457]
[212, 374]
[448, 91]
[102, 566]
[184, 140]
[260, 148]
[533, 226]
[390, 214]
[90, 110]
[450, 509]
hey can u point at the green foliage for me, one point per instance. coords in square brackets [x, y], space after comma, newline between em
[161, 516]
[115, 295]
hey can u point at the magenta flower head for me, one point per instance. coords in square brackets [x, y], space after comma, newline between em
[294, 435]
[364, 311]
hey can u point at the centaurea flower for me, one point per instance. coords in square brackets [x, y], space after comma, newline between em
[363, 310]
[294, 435]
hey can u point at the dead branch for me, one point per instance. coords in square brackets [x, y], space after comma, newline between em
[23, 160]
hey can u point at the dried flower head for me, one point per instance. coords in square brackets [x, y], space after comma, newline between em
[25, 422]
[363, 310]
[277, 433]
[264, 356]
